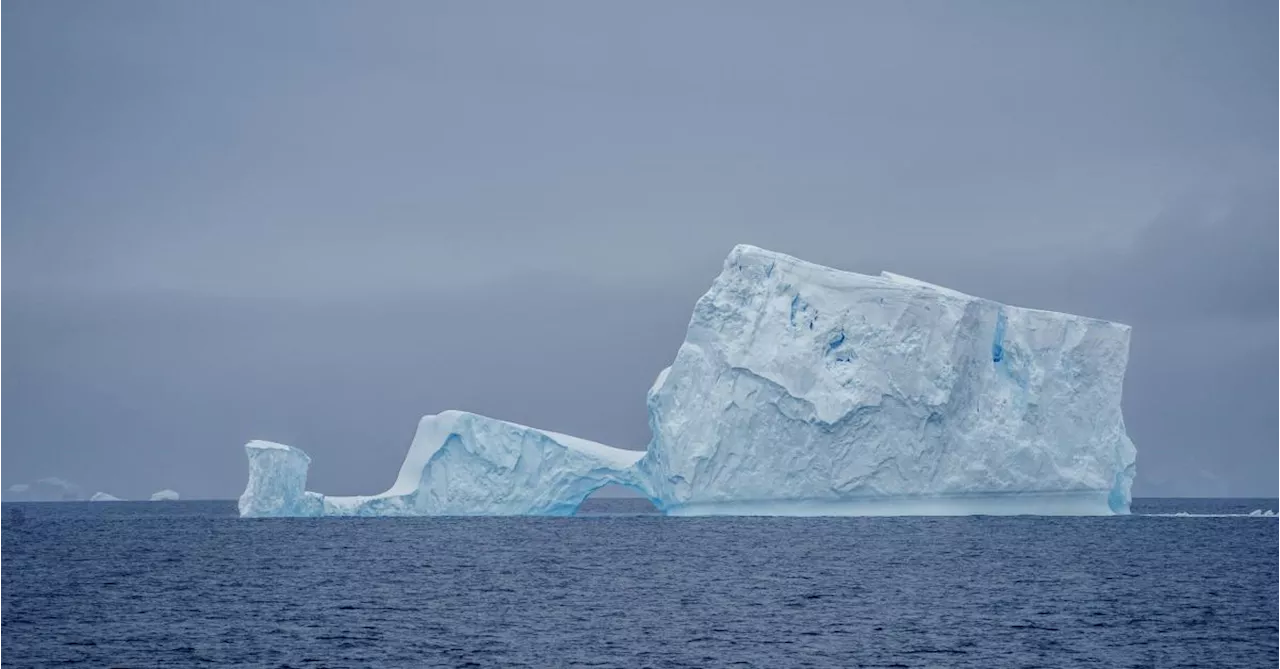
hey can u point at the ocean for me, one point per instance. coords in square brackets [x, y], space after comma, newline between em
[189, 584]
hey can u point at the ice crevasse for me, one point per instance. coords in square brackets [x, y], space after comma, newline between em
[802, 390]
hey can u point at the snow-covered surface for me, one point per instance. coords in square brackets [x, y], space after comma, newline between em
[802, 390]
[165, 495]
[104, 497]
[459, 463]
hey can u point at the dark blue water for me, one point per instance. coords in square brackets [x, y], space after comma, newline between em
[190, 584]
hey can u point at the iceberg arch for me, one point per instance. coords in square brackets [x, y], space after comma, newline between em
[459, 463]
[802, 390]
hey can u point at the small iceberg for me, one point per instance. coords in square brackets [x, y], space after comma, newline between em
[165, 495]
[105, 497]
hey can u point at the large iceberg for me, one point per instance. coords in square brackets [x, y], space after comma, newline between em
[458, 464]
[802, 390]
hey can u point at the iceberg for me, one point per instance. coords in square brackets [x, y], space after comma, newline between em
[48, 489]
[801, 390]
[104, 497]
[277, 482]
[804, 390]
[165, 495]
[459, 463]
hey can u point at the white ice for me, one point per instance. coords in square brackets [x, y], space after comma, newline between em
[165, 495]
[802, 390]
[104, 497]
[458, 464]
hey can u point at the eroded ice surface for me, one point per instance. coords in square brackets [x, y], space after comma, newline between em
[458, 464]
[278, 482]
[803, 390]
[104, 497]
[165, 495]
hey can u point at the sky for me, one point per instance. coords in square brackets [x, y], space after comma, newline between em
[315, 222]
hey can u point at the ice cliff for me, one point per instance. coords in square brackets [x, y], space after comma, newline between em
[802, 390]
[458, 464]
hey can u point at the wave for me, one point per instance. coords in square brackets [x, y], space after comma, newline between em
[1256, 513]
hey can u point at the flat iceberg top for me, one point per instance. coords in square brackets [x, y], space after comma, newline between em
[270, 449]
[822, 276]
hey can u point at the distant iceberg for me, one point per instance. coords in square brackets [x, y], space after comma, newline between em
[104, 497]
[165, 495]
[48, 489]
[802, 390]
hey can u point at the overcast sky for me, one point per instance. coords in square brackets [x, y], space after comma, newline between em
[314, 222]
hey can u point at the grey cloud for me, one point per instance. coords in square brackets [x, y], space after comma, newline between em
[314, 223]
[1206, 264]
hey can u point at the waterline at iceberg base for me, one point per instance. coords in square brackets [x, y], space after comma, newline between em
[802, 390]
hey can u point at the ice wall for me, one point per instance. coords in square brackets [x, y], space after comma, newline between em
[800, 389]
[278, 482]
